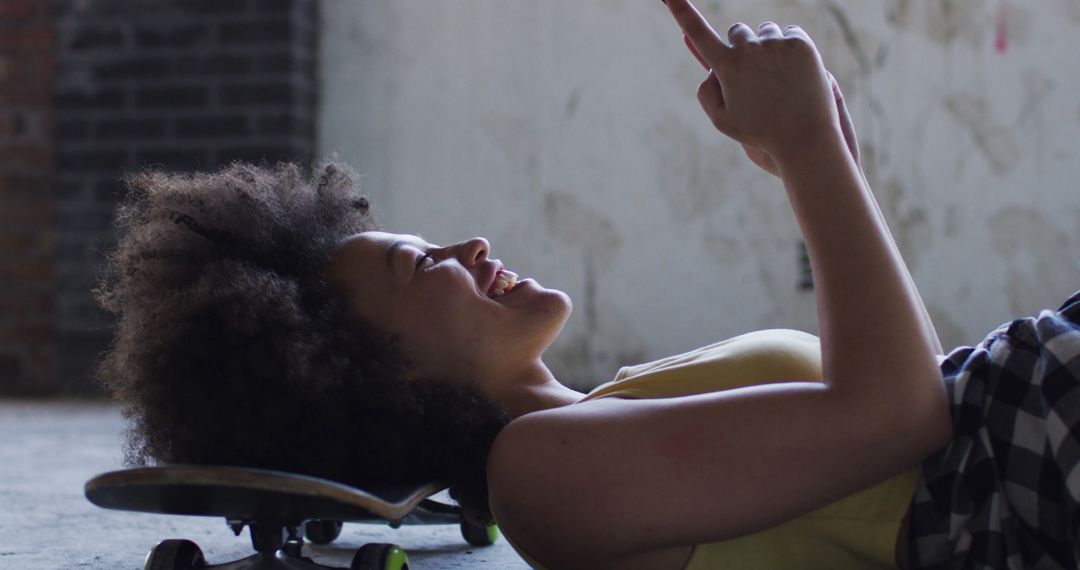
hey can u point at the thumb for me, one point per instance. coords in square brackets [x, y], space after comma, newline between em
[711, 97]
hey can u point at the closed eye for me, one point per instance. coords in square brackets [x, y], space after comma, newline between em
[422, 258]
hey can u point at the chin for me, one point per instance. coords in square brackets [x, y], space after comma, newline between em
[561, 299]
[548, 314]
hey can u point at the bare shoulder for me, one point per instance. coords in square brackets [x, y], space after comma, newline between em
[542, 513]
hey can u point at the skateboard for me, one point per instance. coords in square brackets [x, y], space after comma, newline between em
[280, 509]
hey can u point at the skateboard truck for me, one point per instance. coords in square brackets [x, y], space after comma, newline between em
[269, 536]
[279, 509]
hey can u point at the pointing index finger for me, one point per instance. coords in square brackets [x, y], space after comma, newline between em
[698, 31]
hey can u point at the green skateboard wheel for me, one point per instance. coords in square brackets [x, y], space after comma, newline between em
[479, 535]
[380, 556]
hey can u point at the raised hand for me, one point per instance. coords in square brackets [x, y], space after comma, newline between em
[768, 89]
[765, 162]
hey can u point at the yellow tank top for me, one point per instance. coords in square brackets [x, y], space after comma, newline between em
[856, 532]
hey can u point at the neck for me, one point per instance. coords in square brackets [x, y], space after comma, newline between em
[533, 389]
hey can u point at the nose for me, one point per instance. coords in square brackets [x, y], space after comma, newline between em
[473, 251]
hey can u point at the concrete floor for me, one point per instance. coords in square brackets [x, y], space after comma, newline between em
[49, 450]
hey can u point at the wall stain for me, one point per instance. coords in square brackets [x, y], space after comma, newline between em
[723, 248]
[1072, 11]
[910, 227]
[1036, 87]
[597, 241]
[952, 220]
[508, 133]
[568, 357]
[577, 224]
[847, 32]
[592, 324]
[588, 230]
[1020, 21]
[572, 103]
[994, 141]
[944, 21]
[690, 173]
[898, 12]
[975, 22]
[583, 359]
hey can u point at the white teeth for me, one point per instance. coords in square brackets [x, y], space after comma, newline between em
[504, 281]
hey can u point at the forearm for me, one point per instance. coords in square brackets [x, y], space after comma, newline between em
[928, 324]
[874, 338]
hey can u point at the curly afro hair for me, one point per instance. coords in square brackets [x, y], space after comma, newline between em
[232, 349]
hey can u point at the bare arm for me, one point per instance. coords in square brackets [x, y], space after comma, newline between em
[770, 91]
[850, 137]
[847, 127]
[582, 485]
[874, 337]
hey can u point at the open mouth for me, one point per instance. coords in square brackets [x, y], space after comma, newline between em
[504, 282]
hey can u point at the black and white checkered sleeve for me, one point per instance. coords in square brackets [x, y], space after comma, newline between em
[1004, 493]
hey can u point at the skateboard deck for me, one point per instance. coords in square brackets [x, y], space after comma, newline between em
[242, 493]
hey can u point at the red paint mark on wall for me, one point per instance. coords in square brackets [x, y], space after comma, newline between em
[1001, 39]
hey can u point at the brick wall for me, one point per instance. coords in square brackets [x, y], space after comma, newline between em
[27, 293]
[183, 84]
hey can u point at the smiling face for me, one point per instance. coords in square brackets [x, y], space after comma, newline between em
[437, 299]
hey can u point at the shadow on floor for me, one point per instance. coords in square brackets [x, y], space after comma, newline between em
[49, 450]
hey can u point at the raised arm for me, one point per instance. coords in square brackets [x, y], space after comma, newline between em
[750, 113]
[847, 127]
[585, 484]
[769, 90]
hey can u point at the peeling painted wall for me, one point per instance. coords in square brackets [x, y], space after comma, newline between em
[568, 134]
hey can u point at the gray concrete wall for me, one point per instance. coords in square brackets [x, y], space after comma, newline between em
[567, 133]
